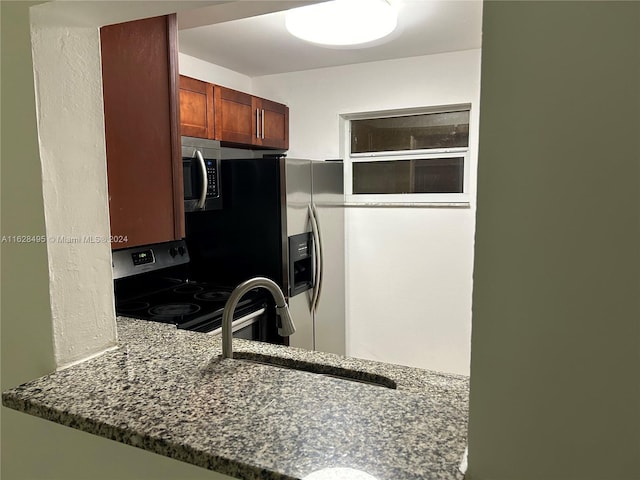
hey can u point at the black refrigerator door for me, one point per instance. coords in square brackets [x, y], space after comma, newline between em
[245, 238]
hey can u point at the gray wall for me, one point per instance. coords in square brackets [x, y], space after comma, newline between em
[555, 369]
[27, 345]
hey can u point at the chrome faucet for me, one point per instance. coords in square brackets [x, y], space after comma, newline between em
[285, 322]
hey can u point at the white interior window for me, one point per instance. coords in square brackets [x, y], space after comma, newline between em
[407, 156]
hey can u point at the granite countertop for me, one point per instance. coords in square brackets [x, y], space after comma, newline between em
[167, 391]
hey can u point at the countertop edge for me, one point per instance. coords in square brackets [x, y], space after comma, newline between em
[123, 434]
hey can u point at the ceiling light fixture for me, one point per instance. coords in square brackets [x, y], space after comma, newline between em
[339, 23]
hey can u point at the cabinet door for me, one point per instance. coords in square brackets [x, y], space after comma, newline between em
[144, 166]
[235, 119]
[196, 108]
[273, 128]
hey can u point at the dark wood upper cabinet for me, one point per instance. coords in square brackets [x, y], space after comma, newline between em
[235, 121]
[233, 117]
[141, 113]
[196, 108]
[273, 131]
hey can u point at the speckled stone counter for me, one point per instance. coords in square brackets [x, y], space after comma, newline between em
[167, 391]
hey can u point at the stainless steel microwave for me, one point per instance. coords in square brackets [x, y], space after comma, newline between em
[201, 174]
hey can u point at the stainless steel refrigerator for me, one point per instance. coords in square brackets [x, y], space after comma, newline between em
[283, 219]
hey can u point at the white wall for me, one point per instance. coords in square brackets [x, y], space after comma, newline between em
[208, 72]
[74, 186]
[409, 270]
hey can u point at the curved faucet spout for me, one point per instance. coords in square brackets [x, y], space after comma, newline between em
[285, 322]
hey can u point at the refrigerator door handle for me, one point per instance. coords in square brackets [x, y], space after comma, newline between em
[316, 259]
[314, 211]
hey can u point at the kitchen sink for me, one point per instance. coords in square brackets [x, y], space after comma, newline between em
[317, 368]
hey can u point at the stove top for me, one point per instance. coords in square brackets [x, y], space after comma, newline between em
[188, 305]
[152, 282]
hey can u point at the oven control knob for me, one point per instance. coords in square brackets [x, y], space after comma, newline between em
[181, 251]
[173, 252]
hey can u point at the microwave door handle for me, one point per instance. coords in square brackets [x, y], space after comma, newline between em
[205, 185]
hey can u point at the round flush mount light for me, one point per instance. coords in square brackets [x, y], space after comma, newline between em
[340, 23]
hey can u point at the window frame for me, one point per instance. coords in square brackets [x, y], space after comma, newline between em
[400, 199]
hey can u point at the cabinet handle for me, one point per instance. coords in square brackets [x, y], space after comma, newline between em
[262, 129]
[257, 123]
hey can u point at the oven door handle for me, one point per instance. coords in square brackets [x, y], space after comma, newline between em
[205, 184]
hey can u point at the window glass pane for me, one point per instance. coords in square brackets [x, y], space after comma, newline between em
[436, 175]
[411, 132]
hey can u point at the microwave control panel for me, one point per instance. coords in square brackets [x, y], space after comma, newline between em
[212, 178]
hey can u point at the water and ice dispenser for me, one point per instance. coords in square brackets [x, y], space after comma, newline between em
[301, 268]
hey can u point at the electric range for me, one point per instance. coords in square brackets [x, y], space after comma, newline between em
[161, 291]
